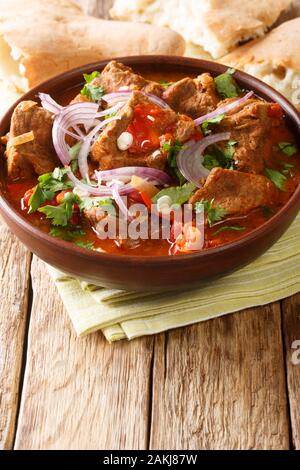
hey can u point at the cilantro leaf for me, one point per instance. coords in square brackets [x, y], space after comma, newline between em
[49, 184]
[210, 162]
[87, 203]
[220, 158]
[226, 85]
[172, 150]
[287, 169]
[61, 214]
[277, 178]
[177, 194]
[38, 198]
[87, 245]
[89, 77]
[215, 120]
[74, 151]
[214, 214]
[226, 228]
[92, 92]
[66, 233]
[287, 148]
[165, 84]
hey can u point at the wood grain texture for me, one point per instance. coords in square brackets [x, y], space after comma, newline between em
[14, 283]
[291, 331]
[80, 393]
[221, 384]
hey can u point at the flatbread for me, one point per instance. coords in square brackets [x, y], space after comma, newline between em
[274, 59]
[216, 25]
[47, 37]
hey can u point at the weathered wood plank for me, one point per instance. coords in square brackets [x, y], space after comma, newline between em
[291, 331]
[14, 285]
[221, 384]
[80, 393]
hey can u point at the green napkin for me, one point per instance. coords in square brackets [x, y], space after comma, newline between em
[120, 314]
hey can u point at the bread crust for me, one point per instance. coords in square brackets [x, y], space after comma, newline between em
[53, 36]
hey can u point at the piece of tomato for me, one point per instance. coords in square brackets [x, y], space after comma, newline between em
[275, 111]
[26, 198]
[146, 199]
[60, 196]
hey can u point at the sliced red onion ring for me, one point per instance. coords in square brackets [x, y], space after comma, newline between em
[119, 201]
[223, 109]
[49, 103]
[190, 158]
[97, 191]
[124, 95]
[144, 172]
[73, 115]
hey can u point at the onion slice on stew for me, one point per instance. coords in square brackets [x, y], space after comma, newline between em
[72, 115]
[119, 201]
[223, 109]
[49, 103]
[124, 95]
[144, 172]
[190, 158]
[96, 190]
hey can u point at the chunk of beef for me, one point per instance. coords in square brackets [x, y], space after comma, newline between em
[107, 155]
[194, 97]
[37, 156]
[115, 76]
[236, 192]
[250, 124]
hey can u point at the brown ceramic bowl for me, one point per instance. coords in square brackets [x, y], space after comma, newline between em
[147, 273]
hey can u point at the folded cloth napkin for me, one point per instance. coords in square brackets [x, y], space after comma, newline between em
[120, 314]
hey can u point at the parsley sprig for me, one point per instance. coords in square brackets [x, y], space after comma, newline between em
[61, 214]
[214, 213]
[91, 91]
[226, 85]
[172, 150]
[48, 185]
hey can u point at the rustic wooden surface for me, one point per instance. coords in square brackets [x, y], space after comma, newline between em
[228, 383]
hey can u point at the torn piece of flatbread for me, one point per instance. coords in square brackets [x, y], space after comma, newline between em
[274, 59]
[39, 39]
[216, 25]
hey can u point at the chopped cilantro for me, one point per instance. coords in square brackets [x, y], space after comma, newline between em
[87, 203]
[210, 162]
[177, 194]
[67, 233]
[87, 245]
[61, 214]
[226, 228]
[214, 214]
[39, 196]
[74, 151]
[215, 120]
[287, 148]
[92, 92]
[220, 158]
[48, 185]
[226, 85]
[165, 84]
[277, 178]
[287, 167]
[172, 151]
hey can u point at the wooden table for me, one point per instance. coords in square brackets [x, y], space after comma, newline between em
[224, 384]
